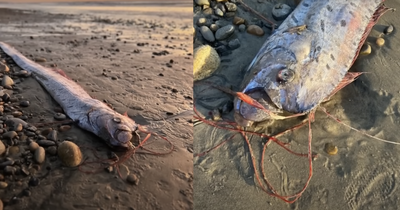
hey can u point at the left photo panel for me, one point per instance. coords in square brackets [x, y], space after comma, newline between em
[96, 103]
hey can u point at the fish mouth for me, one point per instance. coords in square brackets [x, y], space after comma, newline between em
[246, 114]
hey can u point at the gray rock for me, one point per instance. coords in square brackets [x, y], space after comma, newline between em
[46, 143]
[132, 179]
[218, 12]
[234, 44]
[33, 146]
[281, 11]
[10, 170]
[3, 67]
[60, 116]
[39, 155]
[52, 135]
[231, 7]
[207, 34]
[242, 28]
[52, 150]
[202, 2]
[24, 103]
[10, 135]
[224, 32]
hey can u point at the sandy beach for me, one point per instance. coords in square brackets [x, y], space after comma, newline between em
[135, 57]
[362, 175]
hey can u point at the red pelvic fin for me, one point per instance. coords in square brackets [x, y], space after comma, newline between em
[61, 72]
[374, 19]
[348, 78]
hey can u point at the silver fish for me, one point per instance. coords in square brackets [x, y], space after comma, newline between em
[307, 58]
[92, 115]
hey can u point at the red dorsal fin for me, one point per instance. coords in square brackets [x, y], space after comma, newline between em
[126, 114]
[61, 72]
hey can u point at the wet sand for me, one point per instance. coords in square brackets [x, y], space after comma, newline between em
[137, 61]
[363, 175]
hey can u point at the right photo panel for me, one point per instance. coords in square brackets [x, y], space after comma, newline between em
[296, 104]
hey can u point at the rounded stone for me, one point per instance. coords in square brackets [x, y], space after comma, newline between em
[206, 60]
[238, 20]
[132, 179]
[60, 116]
[33, 146]
[39, 155]
[255, 30]
[231, 7]
[281, 11]
[331, 149]
[69, 153]
[234, 44]
[219, 12]
[224, 32]
[365, 49]
[388, 30]
[3, 185]
[4, 67]
[7, 81]
[380, 41]
[2, 147]
[214, 27]
[242, 28]
[207, 34]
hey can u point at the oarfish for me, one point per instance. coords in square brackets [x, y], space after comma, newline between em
[91, 114]
[307, 58]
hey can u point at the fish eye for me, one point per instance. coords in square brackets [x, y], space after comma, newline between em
[285, 75]
[117, 119]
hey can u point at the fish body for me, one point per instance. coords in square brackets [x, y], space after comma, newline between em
[307, 57]
[91, 114]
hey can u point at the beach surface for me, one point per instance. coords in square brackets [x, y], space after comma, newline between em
[135, 57]
[362, 175]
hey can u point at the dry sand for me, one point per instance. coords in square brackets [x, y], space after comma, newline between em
[103, 53]
[363, 175]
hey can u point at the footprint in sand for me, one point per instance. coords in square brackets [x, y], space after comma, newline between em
[371, 187]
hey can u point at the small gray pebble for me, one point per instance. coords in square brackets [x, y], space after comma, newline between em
[132, 179]
[46, 143]
[242, 28]
[219, 12]
[214, 27]
[52, 135]
[60, 116]
[202, 21]
[224, 32]
[281, 11]
[388, 30]
[234, 44]
[207, 34]
[24, 103]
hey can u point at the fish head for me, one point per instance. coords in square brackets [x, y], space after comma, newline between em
[270, 80]
[121, 130]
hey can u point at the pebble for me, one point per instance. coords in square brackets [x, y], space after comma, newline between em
[380, 41]
[234, 44]
[64, 128]
[224, 32]
[17, 128]
[202, 2]
[52, 135]
[2, 148]
[3, 185]
[214, 28]
[231, 7]
[40, 60]
[255, 30]
[34, 181]
[4, 67]
[202, 21]
[60, 116]
[9, 170]
[207, 34]
[9, 135]
[14, 150]
[242, 28]
[24, 103]
[7, 82]
[219, 12]
[52, 150]
[132, 179]
[46, 143]
[281, 11]
[69, 153]
[238, 20]
[331, 149]
[206, 60]
[388, 30]
[365, 49]
[39, 155]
